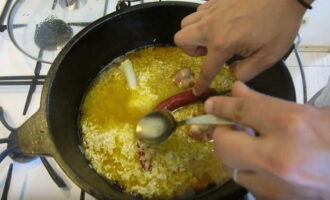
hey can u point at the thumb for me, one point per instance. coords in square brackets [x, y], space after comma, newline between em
[239, 89]
[250, 67]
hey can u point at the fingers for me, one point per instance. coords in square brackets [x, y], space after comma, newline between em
[246, 107]
[191, 41]
[213, 64]
[248, 68]
[206, 5]
[236, 149]
[262, 185]
[252, 181]
[239, 89]
[234, 108]
[189, 35]
[235, 175]
[191, 19]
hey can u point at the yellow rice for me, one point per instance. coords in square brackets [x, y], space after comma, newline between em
[111, 110]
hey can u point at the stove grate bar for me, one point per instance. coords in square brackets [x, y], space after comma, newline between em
[3, 120]
[13, 148]
[7, 83]
[82, 195]
[5, 11]
[13, 78]
[6, 152]
[56, 178]
[54, 4]
[33, 85]
[4, 140]
[7, 183]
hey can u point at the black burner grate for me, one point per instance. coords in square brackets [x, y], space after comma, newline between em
[4, 15]
[14, 152]
[36, 79]
[7, 183]
[31, 81]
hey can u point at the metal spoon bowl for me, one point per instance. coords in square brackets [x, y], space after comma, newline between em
[157, 126]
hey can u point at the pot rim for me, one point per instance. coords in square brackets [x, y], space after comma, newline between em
[49, 81]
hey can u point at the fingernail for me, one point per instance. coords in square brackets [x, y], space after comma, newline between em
[208, 106]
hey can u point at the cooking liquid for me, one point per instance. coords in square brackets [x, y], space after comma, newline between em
[181, 165]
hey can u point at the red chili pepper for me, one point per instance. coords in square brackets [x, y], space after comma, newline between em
[171, 104]
[182, 99]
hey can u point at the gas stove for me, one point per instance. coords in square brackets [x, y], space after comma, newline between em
[22, 73]
[21, 81]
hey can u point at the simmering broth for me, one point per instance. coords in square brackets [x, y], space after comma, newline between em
[182, 165]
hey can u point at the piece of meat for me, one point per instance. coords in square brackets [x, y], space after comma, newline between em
[201, 132]
[144, 157]
[182, 99]
[170, 104]
[184, 78]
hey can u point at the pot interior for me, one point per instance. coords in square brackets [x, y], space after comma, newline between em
[90, 51]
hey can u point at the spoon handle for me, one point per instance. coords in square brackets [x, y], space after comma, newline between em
[208, 120]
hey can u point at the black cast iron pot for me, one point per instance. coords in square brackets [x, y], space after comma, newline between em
[54, 129]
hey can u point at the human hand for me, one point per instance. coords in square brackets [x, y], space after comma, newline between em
[261, 31]
[290, 159]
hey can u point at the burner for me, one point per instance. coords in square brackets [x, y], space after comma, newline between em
[122, 4]
[47, 25]
[52, 34]
[72, 4]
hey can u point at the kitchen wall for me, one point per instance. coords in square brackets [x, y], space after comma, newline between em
[316, 30]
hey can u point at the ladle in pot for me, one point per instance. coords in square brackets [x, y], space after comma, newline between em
[157, 126]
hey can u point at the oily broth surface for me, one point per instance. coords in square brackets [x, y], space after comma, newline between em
[111, 111]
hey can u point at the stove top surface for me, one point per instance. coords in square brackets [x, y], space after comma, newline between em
[22, 72]
[20, 98]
